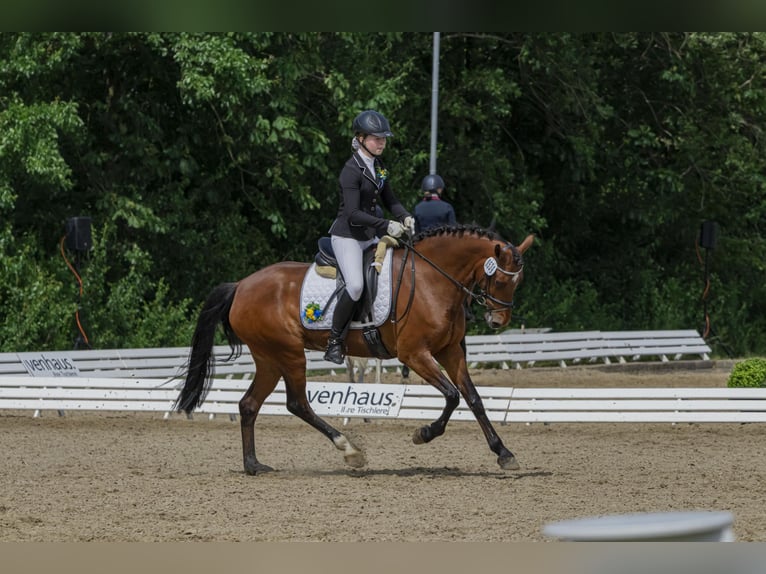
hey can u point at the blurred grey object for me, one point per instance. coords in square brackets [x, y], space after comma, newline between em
[689, 526]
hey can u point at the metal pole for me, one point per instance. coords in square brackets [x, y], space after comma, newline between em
[434, 102]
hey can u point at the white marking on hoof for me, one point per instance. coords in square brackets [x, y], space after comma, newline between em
[352, 455]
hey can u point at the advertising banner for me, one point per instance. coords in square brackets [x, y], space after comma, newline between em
[53, 364]
[355, 399]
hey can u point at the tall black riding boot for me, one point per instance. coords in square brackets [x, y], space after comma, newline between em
[341, 320]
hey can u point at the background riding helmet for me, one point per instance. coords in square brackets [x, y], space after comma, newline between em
[372, 123]
[432, 182]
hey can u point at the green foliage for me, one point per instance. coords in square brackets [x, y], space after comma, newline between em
[748, 373]
[130, 310]
[29, 139]
[37, 315]
[39, 298]
[202, 157]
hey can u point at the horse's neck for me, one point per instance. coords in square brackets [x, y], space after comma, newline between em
[460, 258]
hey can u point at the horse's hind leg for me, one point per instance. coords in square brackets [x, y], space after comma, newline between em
[266, 379]
[298, 404]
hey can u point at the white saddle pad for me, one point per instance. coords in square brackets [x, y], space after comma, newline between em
[316, 290]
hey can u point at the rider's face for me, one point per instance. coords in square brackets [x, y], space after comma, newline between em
[374, 144]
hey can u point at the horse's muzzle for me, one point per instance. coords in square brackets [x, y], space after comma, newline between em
[495, 320]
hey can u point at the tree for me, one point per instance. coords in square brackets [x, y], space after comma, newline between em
[203, 157]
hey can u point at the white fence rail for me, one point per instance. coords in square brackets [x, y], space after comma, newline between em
[503, 404]
[147, 380]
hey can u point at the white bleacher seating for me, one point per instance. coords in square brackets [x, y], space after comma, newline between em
[155, 363]
[531, 349]
[147, 380]
[505, 349]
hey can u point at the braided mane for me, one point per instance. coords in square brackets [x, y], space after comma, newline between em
[461, 230]
[458, 231]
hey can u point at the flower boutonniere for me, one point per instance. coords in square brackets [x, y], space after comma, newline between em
[381, 172]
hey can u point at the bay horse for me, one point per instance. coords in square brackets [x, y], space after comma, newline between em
[434, 276]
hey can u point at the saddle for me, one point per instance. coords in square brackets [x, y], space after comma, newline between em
[327, 266]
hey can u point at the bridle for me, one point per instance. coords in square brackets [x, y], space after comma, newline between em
[481, 297]
[490, 272]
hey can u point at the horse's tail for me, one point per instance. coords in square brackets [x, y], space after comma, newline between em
[201, 366]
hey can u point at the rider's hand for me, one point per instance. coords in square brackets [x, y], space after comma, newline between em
[409, 223]
[395, 229]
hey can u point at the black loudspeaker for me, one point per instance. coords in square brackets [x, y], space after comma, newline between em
[78, 234]
[708, 234]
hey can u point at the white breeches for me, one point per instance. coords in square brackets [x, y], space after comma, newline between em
[348, 253]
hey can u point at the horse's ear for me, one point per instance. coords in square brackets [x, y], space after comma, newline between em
[527, 243]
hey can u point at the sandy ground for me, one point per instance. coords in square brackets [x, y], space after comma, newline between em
[118, 477]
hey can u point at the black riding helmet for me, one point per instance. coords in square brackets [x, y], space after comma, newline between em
[432, 182]
[372, 123]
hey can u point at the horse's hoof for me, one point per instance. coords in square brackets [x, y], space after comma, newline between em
[355, 459]
[417, 437]
[258, 468]
[508, 462]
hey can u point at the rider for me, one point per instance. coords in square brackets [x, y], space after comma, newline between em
[364, 183]
[432, 210]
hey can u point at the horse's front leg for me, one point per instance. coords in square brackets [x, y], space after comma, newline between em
[298, 404]
[425, 366]
[455, 364]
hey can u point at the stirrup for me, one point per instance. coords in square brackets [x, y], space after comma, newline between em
[334, 352]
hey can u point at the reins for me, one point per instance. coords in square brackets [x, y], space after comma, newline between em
[395, 320]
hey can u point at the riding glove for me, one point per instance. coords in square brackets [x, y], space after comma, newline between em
[409, 223]
[395, 229]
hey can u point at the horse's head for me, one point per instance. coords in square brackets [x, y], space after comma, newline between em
[503, 274]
